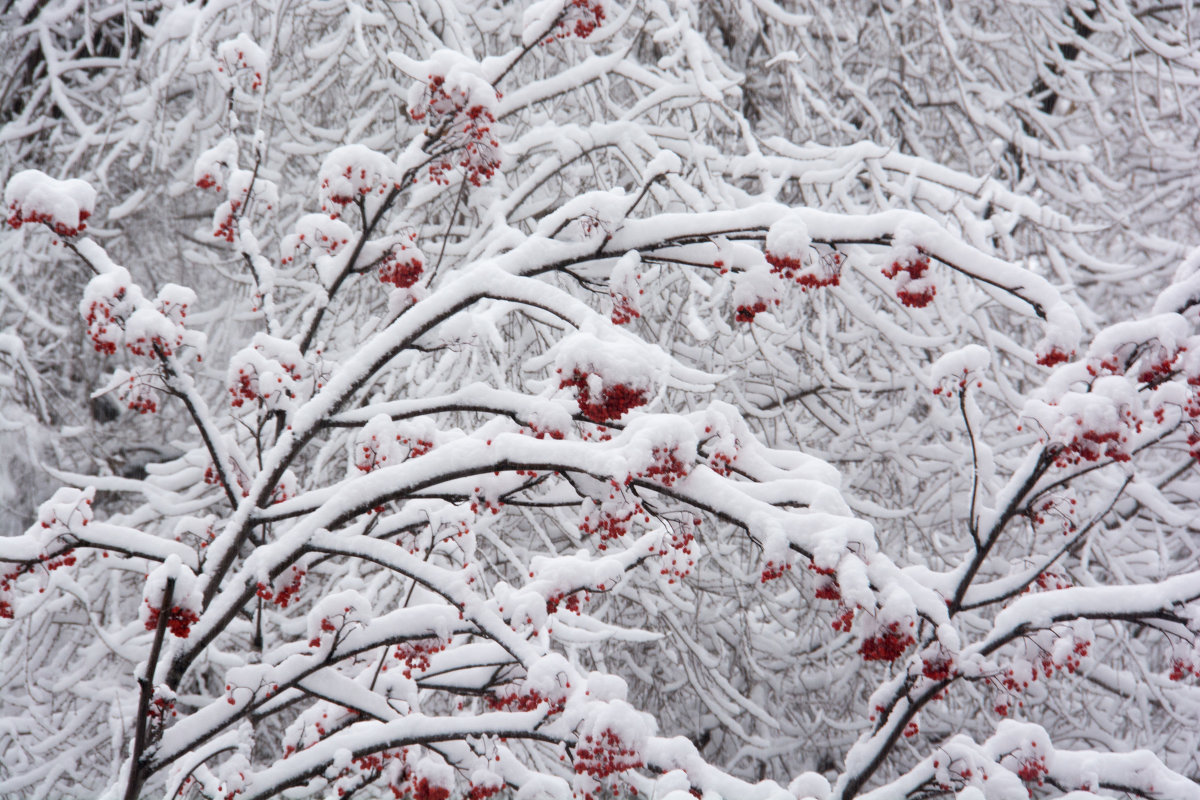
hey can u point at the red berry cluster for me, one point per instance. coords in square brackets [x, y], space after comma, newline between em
[101, 315]
[665, 467]
[527, 700]
[604, 755]
[6, 585]
[401, 267]
[1054, 513]
[1054, 355]
[722, 454]
[416, 447]
[914, 269]
[844, 619]
[911, 729]
[207, 181]
[748, 311]
[614, 402]
[51, 519]
[247, 385]
[179, 620]
[774, 570]
[937, 667]
[623, 311]
[422, 789]
[570, 601]
[466, 130]
[579, 18]
[241, 63]
[326, 627]
[1070, 661]
[827, 589]
[367, 456]
[139, 395]
[888, 644]
[1051, 581]
[1091, 446]
[826, 272]
[375, 762]
[1182, 668]
[18, 217]
[160, 706]
[1159, 370]
[483, 791]
[415, 653]
[677, 548]
[283, 595]
[361, 186]
[226, 225]
[539, 432]
[64, 559]
[1032, 769]
[607, 524]
[480, 503]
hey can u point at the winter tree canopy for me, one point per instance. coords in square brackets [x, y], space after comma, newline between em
[549, 399]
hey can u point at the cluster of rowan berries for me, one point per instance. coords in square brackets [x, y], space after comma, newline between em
[160, 706]
[1051, 581]
[614, 402]
[937, 667]
[1090, 446]
[665, 466]
[138, 395]
[284, 595]
[623, 309]
[773, 570]
[570, 601]
[1182, 668]
[579, 18]
[466, 128]
[1070, 660]
[746, 312]
[18, 217]
[827, 271]
[326, 627]
[179, 620]
[605, 754]
[527, 700]
[415, 653]
[482, 791]
[101, 315]
[676, 551]
[888, 644]
[827, 587]
[241, 62]
[401, 267]
[607, 525]
[423, 789]
[914, 270]
[1031, 770]
[1054, 355]
[226, 224]
[1054, 513]
[359, 181]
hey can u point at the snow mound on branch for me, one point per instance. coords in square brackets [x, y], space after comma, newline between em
[64, 206]
[186, 597]
[214, 166]
[355, 171]
[240, 58]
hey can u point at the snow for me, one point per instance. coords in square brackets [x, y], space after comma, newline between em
[64, 206]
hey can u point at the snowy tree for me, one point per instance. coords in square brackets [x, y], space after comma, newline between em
[528, 421]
